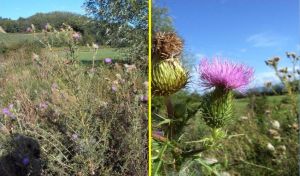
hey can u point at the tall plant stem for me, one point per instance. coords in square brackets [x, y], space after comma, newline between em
[170, 112]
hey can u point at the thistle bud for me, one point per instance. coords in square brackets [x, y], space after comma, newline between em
[217, 107]
[168, 77]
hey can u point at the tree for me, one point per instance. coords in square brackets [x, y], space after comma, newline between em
[125, 22]
[161, 20]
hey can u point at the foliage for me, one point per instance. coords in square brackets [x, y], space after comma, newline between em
[126, 24]
[161, 21]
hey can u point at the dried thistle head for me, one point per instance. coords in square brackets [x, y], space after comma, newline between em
[166, 45]
[283, 70]
[291, 55]
[273, 62]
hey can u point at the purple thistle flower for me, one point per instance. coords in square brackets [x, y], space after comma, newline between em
[25, 161]
[43, 105]
[6, 111]
[114, 88]
[108, 60]
[144, 98]
[224, 74]
[76, 36]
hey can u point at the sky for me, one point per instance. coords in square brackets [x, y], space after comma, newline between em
[244, 31]
[24, 8]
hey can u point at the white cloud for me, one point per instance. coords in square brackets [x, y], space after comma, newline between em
[266, 40]
[261, 78]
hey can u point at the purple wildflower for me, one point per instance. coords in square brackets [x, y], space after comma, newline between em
[114, 88]
[159, 132]
[25, 161]
[43, 105]
[6, 112]
[224, 74]
[76, 36]
[144, 98]
[74, 137]
[108, 60]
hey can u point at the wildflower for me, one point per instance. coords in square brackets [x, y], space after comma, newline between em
[74, 137]
[76, 36]
[270, 147]
[95, 46]
[119, 77]
[108, 60]
[146, 84]
[29, 30]
[6, 112]
[33, 27]
[54, 87]
[291, 55]
[130, 68]
[224, 74]
[114, 88]
[144, 98]
[43, 105]
[48, 27]
[25, 161]
[275, 124]
[159, 132]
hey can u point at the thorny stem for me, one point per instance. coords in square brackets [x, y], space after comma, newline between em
[170, 112]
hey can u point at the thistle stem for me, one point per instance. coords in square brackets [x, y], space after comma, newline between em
[170, 112]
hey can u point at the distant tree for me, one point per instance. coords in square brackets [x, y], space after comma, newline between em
[161, 20]
[125, 23]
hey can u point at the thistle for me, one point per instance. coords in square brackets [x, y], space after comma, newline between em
[168, 74]
[223, 77]
[166, 45]
[168, 77]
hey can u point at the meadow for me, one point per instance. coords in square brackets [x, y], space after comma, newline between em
[223, 128]
[87, 119]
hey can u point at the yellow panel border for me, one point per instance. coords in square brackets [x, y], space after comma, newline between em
[149, 85]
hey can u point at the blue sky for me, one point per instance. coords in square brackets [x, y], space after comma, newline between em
[24, 8]
[246, 31]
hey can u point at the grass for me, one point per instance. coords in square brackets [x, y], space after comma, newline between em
[14, 38]
[84, 53]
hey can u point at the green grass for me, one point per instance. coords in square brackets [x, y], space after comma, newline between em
[84, 53]
[14, 38]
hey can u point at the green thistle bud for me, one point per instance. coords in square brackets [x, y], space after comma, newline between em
[168, 77]
[217, 107]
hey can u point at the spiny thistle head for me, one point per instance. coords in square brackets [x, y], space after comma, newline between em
[217, 107]
[224, 77]
[168, 77]
[166, 45]
[224, 74]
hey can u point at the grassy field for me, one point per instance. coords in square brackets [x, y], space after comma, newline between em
[84, 53]
[14, 38]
